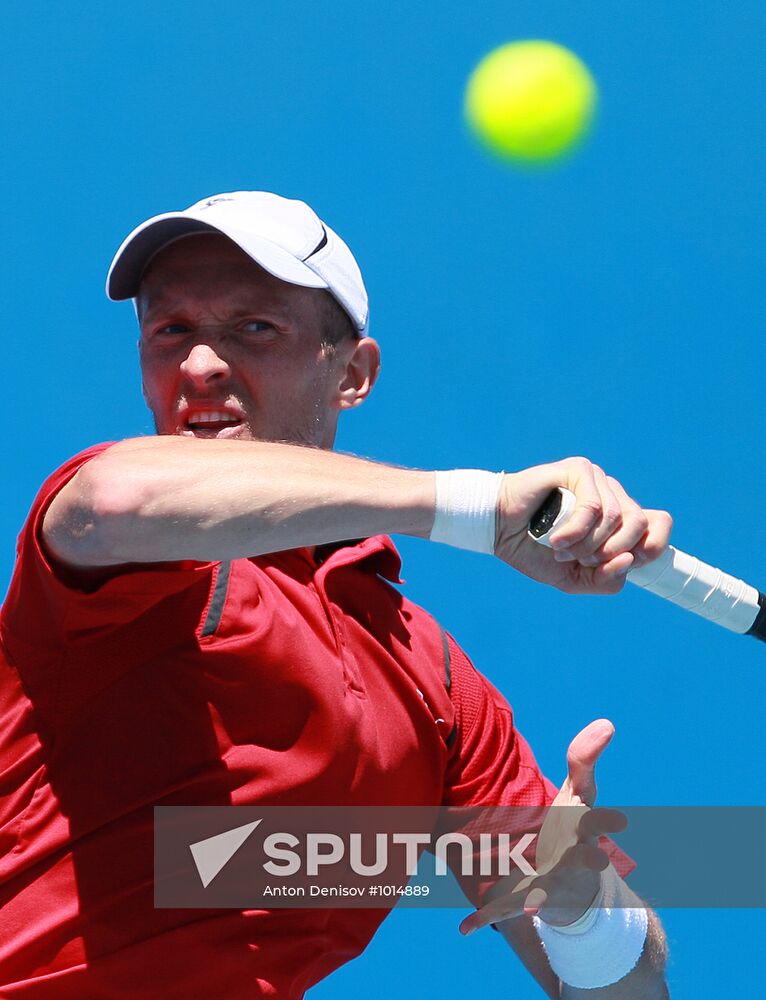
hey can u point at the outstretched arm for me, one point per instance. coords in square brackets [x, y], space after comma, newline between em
[576, 921]
[167, 498]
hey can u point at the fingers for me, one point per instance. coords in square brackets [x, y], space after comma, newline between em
[580, 477]
[583, 752]
[588, 856]
[656, 537]
[610, 523]
[563, 884]
[616, 525]
[503, 908]
[572, 888]
[598, 822]
[535, 901]
[608, 578]
[592, 551]
[606, 523]
[633, 525]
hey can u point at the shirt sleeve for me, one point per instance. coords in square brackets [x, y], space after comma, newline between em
[47, 605]
[491, 764]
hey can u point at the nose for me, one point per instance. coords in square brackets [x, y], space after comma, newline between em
[203, 365]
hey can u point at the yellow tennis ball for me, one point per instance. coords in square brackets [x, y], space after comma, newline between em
[530, 101]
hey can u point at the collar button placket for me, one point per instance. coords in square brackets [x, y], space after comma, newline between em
[351, 674]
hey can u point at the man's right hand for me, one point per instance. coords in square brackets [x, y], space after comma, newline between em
[605, 536]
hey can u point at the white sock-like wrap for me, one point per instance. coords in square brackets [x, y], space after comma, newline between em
[466, 506]
[604, 945]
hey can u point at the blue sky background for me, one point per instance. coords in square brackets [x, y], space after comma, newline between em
[612, 307]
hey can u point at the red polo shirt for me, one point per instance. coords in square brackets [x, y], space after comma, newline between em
[262, 681]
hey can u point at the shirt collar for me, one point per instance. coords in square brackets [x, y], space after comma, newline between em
[378, 553]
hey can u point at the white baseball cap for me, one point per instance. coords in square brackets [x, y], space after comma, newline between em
[284, 236]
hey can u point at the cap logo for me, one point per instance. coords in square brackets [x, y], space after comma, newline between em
[319, 245]
[213, 201]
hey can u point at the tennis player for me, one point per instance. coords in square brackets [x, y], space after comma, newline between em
[208, 616]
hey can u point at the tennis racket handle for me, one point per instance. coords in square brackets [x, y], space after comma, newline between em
[708, 592]
[675, 576]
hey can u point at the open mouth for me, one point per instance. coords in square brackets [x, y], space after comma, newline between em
[213, 424]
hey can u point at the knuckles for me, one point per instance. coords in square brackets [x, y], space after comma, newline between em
[578, 464]
[612, 516]
[659, 528]
[609, 522]
[593, 506]
[638, 523]
[665, 519]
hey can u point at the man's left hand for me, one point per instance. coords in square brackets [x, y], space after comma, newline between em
[569, 861]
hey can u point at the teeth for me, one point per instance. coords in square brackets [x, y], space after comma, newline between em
[211, 418]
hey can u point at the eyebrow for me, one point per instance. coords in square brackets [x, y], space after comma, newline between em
[171, 307]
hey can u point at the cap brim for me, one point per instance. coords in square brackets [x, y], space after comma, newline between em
[148, 239]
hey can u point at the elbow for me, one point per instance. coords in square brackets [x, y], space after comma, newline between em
[112, 490]
[88, 521]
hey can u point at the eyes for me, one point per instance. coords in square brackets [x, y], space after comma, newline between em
[251, 328]
[170, 330]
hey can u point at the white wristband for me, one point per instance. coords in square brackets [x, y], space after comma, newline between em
[607, 946]
[466, 506]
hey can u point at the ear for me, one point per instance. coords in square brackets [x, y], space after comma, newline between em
[359, 374]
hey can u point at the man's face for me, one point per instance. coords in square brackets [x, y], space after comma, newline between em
[229, 351]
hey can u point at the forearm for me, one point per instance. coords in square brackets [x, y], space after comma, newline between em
[170, 498]
[644, 981]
